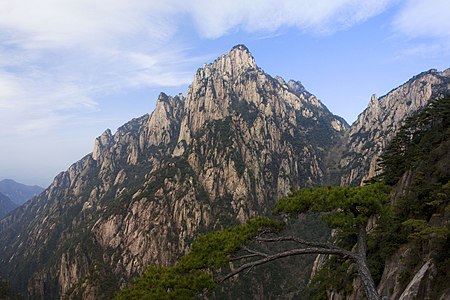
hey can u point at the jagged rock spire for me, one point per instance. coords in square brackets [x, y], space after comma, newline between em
[101, 142]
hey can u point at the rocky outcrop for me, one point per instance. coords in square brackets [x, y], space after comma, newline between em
[238, 141]
[379, 122]
[420, 285]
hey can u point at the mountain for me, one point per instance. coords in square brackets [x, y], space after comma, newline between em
[224, 153]
[379, 122]
[19, 193]
[6, 205]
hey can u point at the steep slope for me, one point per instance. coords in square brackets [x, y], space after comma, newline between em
[419, 170]
[408, 252]
[6, 205]
[224, 153]
[19, 193]
[377, 124]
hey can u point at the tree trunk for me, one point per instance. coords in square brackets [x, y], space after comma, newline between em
[363, 269]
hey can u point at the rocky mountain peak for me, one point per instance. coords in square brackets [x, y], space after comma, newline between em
[101, 142]
[162, 126]
[240, 47]
[233, 85]
[237, 61]
[162, 97]
[240, 58]
[297, 88]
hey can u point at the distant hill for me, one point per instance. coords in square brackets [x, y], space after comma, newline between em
[17, 192]
[6, 205]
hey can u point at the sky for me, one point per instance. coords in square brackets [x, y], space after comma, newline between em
[69, 69]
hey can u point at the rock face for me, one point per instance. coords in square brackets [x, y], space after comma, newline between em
[377, 124]
[222, 154]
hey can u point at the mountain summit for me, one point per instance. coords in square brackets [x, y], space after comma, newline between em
[235, 62]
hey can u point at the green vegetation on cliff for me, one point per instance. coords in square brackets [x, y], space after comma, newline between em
[416, 164]
[192, 275]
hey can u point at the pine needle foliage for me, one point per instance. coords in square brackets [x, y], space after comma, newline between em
[345, 207]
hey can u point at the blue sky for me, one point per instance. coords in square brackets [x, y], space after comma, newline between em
[69, 69]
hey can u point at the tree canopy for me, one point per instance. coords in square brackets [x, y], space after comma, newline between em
[346, 207]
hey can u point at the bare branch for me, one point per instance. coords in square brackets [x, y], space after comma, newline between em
[292, 252]
[300, 241]
[265, 230]
[255, 252]
[244, 257]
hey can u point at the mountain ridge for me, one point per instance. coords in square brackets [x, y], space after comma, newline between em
[382, 118]
[6, 205]
[19, 193]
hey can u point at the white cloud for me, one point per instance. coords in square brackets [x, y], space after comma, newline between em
[57, 57]
[426, 19]
[215, 18]
[37, 103]
[82, 23]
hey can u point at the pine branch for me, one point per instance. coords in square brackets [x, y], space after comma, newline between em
[253, 253]
[244, 257]
[299, 241]
[293, 252]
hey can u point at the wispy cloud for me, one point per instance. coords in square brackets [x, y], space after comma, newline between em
[58, 57]
[83, 23]
[424, 19]
[36, 102]
[422, 30]
[216, 18]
